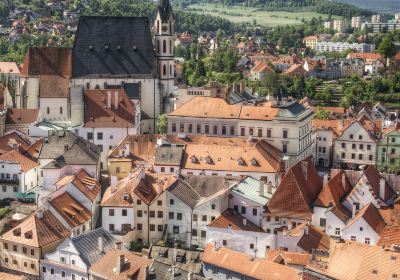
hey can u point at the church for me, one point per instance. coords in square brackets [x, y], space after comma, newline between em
[108, 53]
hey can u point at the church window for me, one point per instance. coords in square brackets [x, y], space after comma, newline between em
[158, 46]
[170, 46]
[164, 46]
[170, 70]
[164, 69]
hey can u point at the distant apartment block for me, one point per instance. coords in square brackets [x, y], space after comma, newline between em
[356, 22]
[343, 46]
[340, 25]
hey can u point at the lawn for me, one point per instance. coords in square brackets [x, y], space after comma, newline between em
[239, 14]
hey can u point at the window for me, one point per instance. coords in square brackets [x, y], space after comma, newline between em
[152, 227]
[48, 110]
[15, 189]
[236, 208]
[171, 215]
[44, 269]
[164, 70]
[215, 129]
[204, 218]
[337, 231]
[179, 216]
[353, 146]
[194, 232]
[351, 136]
[353, 238]
[176, 229]
[24, 250]
[5, 246]
[223, 130]
[32, 265]
[276, 219]
[393, 140]
[370, 157]
[152, 214]
[99, 135]
[6, 260]
[360, 156]
[139, 213]
[251, 246]
[254, 211]
[224, 242]
[160, 227]
[25, 264]
[213, 206]
[162, 169]
[359, 137]
[110, 212]
[164, 46]
[353, 156]
[194, 217]
[138, 202]
[111, 227]
[228, 275]
[160, 214]
[173, 127]
[361, 229]
[259, 132]
[367, 240]
[322, 222]
[269, 133]
[61, 110]
[343, 145]
[203, 234]
[343, 155]
[251, 131]
[15, 249]
[73, 277]
[284, 148]
[124, 212]
[232, 130]
[242, 131]
[51, 270]
[139, 226]
[171, 202]
[361, 146]
[215, 270]
[285, 134]
[190, 128]
[206, 129]
[199, 128]
[182, 127]
[90, 136]
[62, 273]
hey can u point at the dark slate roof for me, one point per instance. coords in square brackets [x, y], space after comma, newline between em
[113, 47]
[159, 270]
[133, 90]
[65, 148]
[87, 245]
[169, 155]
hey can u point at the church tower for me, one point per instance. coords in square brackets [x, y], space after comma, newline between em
[164, 31]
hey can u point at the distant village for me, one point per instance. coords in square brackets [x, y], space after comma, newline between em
[112, 167]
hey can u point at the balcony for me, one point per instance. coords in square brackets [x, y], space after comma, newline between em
[9, 181]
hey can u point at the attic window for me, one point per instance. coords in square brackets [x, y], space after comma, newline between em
[254, 162]
[193, 159]
[374, 271]
[240, 161]
[17, 232]
[208, 159]
[28, 234]
[125, 196]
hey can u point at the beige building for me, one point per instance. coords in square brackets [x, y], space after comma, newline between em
[284, 124]
[356, 22]
[23, 246]
[340, 25]
[310, 41]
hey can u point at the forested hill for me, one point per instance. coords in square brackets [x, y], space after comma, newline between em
[385, 6]
[320, 6]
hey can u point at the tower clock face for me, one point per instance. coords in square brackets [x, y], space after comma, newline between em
[164, 29]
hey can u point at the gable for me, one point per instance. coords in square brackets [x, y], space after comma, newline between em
[355, 129]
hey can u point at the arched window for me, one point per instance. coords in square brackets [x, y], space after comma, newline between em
[158, 46]
[158, 26]
[170, 70]
[164, 46]
[170, 46]
[164, 70]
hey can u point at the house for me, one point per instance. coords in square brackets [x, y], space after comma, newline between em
[389, 150]
[109, 116]
[185, 39]
[296, 70]
[249, 197]
[168, 158]
[64, 153]
[325, 133]
[138, 204]
[260, 71]
[73, 257]
[291, 203]
[365, 227]
[234, 231]
[373, 67]
[223, 263]
[310, 41]
[21, 119]
[27, 243]
[192, 203]
[365, 56]
[120, 265]
[18, 176]
[357, 144]
[286, 124]
[367, 262]
[294, 260]
[349, 68]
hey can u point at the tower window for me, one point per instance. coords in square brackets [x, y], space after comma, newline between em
[164, 69]
[164, 46]
[158, 46]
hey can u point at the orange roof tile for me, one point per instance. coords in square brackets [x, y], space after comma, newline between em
[132, 266]
[37, 231]
[363, 55]
[22, 116]
[241, 263]
[9, 68]
[297, 191]
[261, 66]
[13, 156]
[235, 221]
[53, 86]
[333, 125]
[391, 214]
[389, 236]
[261, 111]
[371, 215]
[34, 150]
[293, 258]
[315, 239]
[98, 114]
[13, 139]
[70, 209]
[373, 176]
[89, 186]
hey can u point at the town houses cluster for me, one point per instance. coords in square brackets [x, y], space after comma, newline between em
[239, 186]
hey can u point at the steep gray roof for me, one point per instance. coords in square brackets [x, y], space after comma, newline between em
[169, 155]
[87, 245]
[65, 148]
[113, 47]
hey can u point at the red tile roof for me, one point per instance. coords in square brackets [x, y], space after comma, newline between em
[22, 116]
[12, 139]
[14, 156]
[365, 56]
[297, 191]
[371, 215]
[99, 114]
[288, 258]
[235, 221]
[314, 239]
[389, 236]
[71, 210]
[373, 176]
[241, 263]
[9, 68]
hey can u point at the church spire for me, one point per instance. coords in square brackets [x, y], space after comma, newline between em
[165, 10]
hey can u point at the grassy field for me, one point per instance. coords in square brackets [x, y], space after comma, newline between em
[240, 14]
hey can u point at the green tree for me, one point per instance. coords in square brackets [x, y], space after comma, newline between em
[162, 124]
[387, 46]
[321, 114]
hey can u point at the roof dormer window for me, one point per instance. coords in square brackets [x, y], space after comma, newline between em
[208, 159]
[254, 162]
[240, 161]
[193, 159]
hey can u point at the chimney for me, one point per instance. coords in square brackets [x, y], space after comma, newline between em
[269, 187]
[120, 264]
[39, 214]
[190, 276]
[325, 179]
[344, 181]
[100, 244]
[116, 100]
[108, 99]
[382, 184]
[306, 230]
[353, 211]
[261, 188]
[118, 245]
[244, 221]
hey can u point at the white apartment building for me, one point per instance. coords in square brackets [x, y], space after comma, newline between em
[343, 46]
[285, 124]
[356, 22]
[340, 25]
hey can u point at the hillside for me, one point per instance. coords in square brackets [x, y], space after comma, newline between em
[386, 6]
